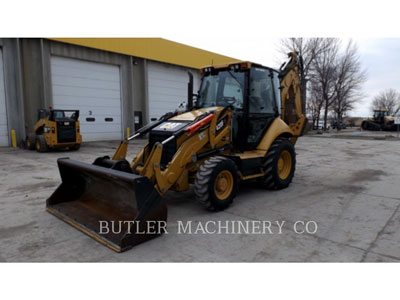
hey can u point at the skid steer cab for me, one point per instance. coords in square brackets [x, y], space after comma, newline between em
[243, 126]
[55, 129]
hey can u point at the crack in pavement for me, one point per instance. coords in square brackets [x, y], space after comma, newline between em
[366, 251]
[380, 232]
[380, 196]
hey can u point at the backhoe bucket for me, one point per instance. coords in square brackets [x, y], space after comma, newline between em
[118, 209]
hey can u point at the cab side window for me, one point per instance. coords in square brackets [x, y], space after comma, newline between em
[261, 92]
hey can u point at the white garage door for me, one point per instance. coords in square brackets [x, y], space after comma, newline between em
[3, 111]
[168, 87]
[95, 90]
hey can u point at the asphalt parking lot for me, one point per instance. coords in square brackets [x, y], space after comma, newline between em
[348, 187]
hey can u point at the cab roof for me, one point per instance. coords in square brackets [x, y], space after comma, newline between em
[241, 65]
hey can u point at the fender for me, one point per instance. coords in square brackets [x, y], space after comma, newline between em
[277, 128]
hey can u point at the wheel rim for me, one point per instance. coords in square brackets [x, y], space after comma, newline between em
[223, 185]
[37, 144]
[284, 164]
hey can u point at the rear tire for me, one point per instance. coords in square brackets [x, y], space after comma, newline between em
[216, 183]
[41, 145]
[279, 165]
[75, 147]
[30, 141]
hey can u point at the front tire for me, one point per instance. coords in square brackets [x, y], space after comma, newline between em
[279, 165]
[75, 147]
[30, 141]
[216, 183]
[41, 145]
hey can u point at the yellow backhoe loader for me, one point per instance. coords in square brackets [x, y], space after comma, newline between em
[242, 126]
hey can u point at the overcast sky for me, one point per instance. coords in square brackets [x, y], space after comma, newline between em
[234, 28]
[379, 56]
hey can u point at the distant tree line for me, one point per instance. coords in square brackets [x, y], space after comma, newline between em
[332, 77]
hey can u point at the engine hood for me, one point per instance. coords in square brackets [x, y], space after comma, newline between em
[192, 115]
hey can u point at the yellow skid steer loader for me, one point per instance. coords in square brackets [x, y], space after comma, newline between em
[55, 129]
[243, 125]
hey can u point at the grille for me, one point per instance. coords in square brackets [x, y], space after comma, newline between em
[169, 149]
[66, 133]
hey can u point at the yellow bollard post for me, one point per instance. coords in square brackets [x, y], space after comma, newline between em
[13, 138]
[128, 132]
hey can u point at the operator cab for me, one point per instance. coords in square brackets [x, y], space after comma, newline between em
[253, 93]
[58, 115]
[379, 115]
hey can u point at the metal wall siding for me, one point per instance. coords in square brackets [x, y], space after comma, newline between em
[4, 140]
[94, 89]
[167, 87]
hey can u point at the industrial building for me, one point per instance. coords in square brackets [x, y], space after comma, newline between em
[116, 83]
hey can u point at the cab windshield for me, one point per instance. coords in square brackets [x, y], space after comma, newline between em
[222, 89]
[59, 114]
[379, 114]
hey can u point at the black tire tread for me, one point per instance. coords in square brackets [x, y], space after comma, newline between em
[32, 139]
[43, 145]
[75, 147]
[270, 181]
[203, 177]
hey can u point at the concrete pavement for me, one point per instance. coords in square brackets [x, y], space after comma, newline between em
[349, 187]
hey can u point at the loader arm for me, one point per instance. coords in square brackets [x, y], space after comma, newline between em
[291, 108]
[201, 133]
[186, 154]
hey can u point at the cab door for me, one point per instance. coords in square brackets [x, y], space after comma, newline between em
[261, 105]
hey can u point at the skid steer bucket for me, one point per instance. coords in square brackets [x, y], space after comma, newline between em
[118, 209]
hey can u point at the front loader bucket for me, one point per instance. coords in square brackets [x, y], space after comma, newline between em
[118, 209]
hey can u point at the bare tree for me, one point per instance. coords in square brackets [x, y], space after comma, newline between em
[309, 49]
[315, 103]
[349, 77]
[312, 110]
[324, 75]
[397, 111]
[388, 99]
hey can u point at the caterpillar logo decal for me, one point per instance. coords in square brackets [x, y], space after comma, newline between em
[169, 125]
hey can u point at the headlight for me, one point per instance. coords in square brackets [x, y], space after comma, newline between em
[46, 129]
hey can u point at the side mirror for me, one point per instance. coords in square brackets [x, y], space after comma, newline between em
[195, 98]
[182, 107]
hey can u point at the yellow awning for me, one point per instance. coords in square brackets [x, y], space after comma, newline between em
[155, 49]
